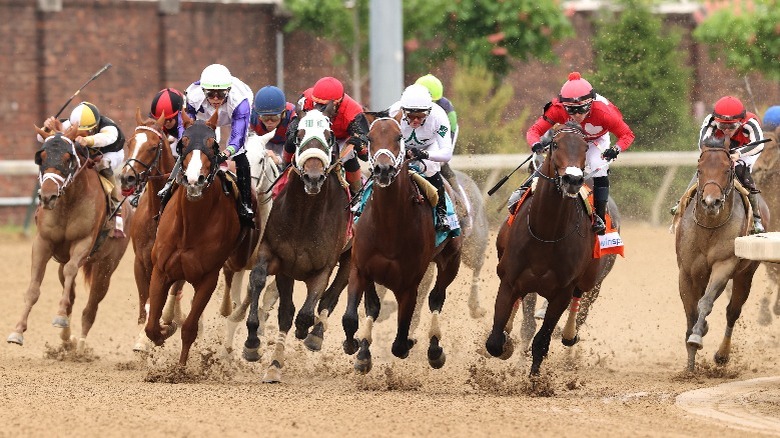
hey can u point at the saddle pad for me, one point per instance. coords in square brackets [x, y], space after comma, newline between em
[428, 190]
[108, 185]
[610, 242]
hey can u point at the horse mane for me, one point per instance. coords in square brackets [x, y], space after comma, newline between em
[713, 142]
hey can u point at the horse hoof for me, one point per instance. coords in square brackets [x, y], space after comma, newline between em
[141, 347]
[438, 362]
[313, 342]
[570, 342]
[16, 338]
[509, 349]
[301, 333]
[363, 366]
[81, 345]
[696, 341]
[60, 321]
[272, 375]
[721, 360]
[170, 330]
[251, 354]
[350, 346]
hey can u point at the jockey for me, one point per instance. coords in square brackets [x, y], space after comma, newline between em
[217, 90]
[99, 132]
[272, 111]
[435, 87]
[169, 102]
[598, 117]
[729, 120]
[425, 129]
[349, 126]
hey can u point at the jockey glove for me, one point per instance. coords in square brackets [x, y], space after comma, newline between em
[356, 143]
[611, 153]
[537, 147]
[222, 157]
[417, 154]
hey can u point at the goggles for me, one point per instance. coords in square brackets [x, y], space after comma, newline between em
[725, 126]
[270, 117]
[412, 115]
[577, 109]
[216, 94]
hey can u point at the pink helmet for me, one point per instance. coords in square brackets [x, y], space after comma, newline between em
[576, 91]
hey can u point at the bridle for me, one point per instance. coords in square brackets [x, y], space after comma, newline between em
[725, 192]
[62, 182]
[264, 176]
[396, 159]
[314, 125]
[557, 179]
[145, 174]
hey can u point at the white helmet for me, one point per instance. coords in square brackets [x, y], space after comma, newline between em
[216, 77]
[416, 97]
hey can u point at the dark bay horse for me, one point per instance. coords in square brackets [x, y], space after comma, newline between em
[71, 228]
[198, 232]
[704, 242]
[548, 248]
[393, 245]
[149, 163]
[306, 235]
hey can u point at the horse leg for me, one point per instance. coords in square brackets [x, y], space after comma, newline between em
[421, 295]
[363, 361]
[499, 339]
[764, 314]
[41, 253]
[204, 288]
[528, 327]
[172, 311]
[230, 302]
[257, 279]
[99, 279]
[541, 343]
[68, 272]
[355, 287]
[447, 271]
[589, 297]
[273, 374]
[717, 283]
[569, 336]
[142, 279]
[158, 290]
[688, 295]
[328, 302]
[739, 294]
[406, 303]
[475, 309]
[315, 287]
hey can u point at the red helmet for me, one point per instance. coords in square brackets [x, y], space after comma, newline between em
[168, 101]
[728, 109]
[327, 89]
[576, 91]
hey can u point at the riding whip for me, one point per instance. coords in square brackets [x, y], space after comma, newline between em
[99, 72]
[750, 93]
[504, 179]
[750, 146]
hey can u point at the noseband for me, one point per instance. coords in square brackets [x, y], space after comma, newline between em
[145, 174]
[557, 179]
[396, 159]
[725, 192]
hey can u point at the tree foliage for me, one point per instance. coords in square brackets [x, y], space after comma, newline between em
[748, 38]
[640, 68]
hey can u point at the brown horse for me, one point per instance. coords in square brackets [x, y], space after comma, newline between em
[766, 173]
[704, 243]
[71, 227]
[148, 166]
[191, 245]
[548, 248]
[393, 245]
[304, 238]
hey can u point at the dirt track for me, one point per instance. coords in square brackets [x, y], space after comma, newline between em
[622, 379]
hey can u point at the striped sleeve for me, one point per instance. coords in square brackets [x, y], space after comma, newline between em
[707, 129]
[752, 129]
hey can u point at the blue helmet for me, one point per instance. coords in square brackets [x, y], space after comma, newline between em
[269, 100]
[772, 118]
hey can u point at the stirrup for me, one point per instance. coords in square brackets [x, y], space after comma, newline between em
[598, 225]
[758, 227]
[165, 191]
[673, 210]
[442, 224]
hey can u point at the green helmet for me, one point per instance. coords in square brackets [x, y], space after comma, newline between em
[433, 84]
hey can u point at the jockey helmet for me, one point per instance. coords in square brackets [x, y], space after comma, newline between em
[327, 89]
[772, 118]
[216, 77]
[576, 91]
[728, 109]
[269, 100]
[433, 84]
[86, 116]
[168, 101]
[416, 98]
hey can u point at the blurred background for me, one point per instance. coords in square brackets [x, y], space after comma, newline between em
[664, 64]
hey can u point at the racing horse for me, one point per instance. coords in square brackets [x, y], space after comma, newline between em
[393, 245]
[547, 248]
[70, 224]
[149, 164]
[704, 243]
[306, 235]
[191, 245]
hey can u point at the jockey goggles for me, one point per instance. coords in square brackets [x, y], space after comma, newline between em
[216, 94]
[416, 115]
[577, 109]
[270, 117]
[725, 126]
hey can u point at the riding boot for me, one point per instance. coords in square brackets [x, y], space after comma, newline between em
[758, 227]
[167, 190]
[600, 198]
[442, 224]
[245, 212]
[514, 198]
[676, 207]
[114, 221]
[449, 175]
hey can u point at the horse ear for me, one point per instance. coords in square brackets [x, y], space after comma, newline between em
[72, 132]
[43, 133]
[398, 116]
[185, 119]
[212, 121]
[138, 120]
[161, 120]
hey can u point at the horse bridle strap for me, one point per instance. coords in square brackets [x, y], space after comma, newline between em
[61, 182]
[397, 159]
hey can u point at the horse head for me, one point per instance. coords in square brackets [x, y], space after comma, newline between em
[715, 175]
[147, 148]
[199, 148]
[58, 163]
[565, 162]
[262, 162]
[386, 148]
[313, 153]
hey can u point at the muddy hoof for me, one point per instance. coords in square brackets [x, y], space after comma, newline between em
[350, 346]
[15, 338]
[696, 341]
[570, 342]
[509, 349]
[721, 360]
[251, 354]
[60, 321]
[313, 342]
[273, 375]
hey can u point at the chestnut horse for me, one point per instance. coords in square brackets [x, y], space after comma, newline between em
[704, 242]
[548, 248]
[149, 164]
[393, 245]
[198, 231]
[71, 227]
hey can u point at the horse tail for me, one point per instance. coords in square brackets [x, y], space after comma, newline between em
[89, 270]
